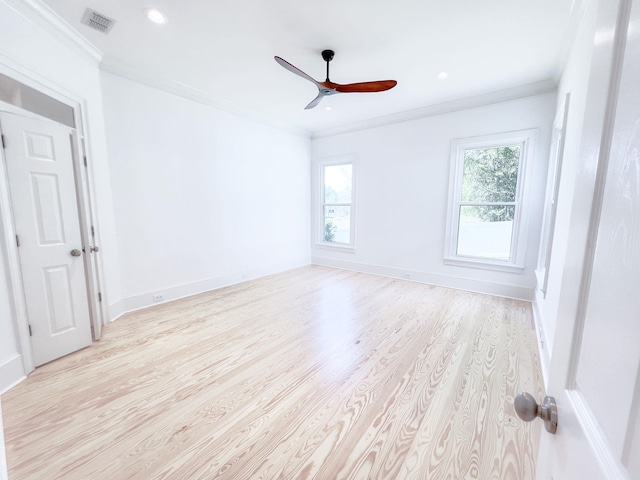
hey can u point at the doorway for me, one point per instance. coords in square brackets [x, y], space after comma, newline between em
[46, 207]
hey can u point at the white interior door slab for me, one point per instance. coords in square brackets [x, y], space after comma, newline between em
[40, 170]
[595, 367]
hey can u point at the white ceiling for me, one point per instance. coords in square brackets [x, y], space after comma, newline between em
[225, 50]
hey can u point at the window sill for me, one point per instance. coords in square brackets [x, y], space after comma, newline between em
[336, 247]
[485, 264]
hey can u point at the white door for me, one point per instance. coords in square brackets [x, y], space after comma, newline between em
[40, 170]
[595, 366]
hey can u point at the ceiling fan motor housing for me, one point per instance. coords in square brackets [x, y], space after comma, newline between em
[327, 55]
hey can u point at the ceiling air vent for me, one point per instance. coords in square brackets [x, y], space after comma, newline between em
[97, 21]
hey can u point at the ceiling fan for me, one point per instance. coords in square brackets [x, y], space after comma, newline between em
[327, 87]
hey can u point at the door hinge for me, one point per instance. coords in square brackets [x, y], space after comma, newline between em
[93, 231]
[85, 160]
[99, 296]
[30, 332]
[4, 145]
[17, 241]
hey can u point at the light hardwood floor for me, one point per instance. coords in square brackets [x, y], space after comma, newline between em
[312, 373]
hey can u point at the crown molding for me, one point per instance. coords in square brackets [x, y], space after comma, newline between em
[44, 17]
[194, 94]
[514, 93]
[199, 96]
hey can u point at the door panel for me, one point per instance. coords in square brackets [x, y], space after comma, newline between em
[45, 210]
[58, 299]
[595, 367]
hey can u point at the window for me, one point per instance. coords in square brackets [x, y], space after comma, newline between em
[485, 206]
[337, 210]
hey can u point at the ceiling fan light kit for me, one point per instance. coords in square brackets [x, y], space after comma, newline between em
[328, 87]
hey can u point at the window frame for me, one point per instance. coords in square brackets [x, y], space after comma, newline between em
[515, 263]
[350, 159]
[554, 176]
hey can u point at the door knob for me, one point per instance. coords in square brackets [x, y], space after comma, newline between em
[75, 252]
[94, 249]
[528, 409]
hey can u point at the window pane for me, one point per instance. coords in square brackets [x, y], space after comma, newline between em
[337, 184]
[490, 174]
[337, 224]
[485, 231]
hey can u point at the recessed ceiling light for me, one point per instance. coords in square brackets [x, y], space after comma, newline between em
[156, 16]
[328, 108]
[443, 75]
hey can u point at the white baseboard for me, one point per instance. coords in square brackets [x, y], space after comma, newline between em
[459, 283]
[144, 300]
[543, 346]
[11, 372]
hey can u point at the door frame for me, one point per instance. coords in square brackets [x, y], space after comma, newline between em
[87, 216]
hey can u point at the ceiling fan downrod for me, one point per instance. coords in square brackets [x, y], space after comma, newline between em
[327, 55]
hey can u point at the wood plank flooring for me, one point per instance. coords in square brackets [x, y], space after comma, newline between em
[312, 373]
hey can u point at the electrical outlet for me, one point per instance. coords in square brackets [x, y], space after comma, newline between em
[158, 297]
[407, 276]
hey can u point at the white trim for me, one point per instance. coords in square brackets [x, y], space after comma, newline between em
[554, 175]
[11, 372]
[516, 263]
[484, 264]
[25, 75]
[4, 475]
[44, 17]
[596, 437]
[19, 307]
[490, 98]
[318, 192]
[340, 247]
[145, 300]
[188, 92]
[86, 217]
[541, 337]
[85, 148]
[459, 283]
[168, 85]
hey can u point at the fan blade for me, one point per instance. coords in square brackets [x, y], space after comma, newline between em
[315, 101]
[297, 71]
[378, 86]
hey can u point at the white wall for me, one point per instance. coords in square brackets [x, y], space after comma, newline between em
[402, 194]
[202, 198]
[574, 81]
